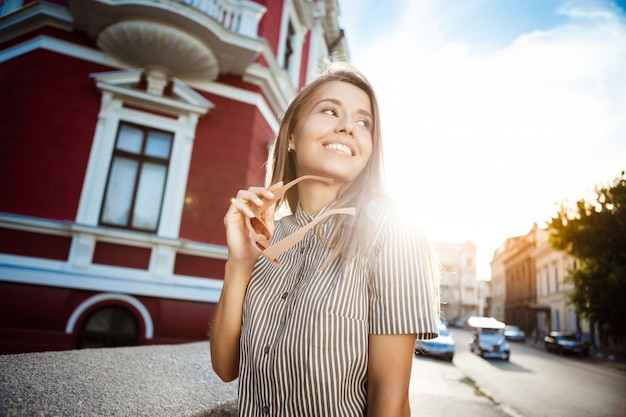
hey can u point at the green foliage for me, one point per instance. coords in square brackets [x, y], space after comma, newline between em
[594, 232]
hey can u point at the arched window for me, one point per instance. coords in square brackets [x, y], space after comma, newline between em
[110, 326]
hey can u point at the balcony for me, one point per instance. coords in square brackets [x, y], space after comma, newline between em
[188, 39]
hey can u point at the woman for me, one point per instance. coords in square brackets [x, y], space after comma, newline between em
[324, 323]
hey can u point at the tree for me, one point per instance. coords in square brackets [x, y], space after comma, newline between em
[594, 233]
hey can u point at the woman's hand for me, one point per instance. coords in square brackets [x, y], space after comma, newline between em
[240, 249]
[226, 326]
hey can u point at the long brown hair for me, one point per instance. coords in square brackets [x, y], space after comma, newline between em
[365, 188]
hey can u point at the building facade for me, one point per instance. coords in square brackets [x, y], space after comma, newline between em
[529, 288]
[459, 286]
[521, 285]
[555, 312]
[498, 281]
[127, 125]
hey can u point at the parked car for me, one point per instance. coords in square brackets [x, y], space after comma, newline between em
[488, 338]
[440, 347]
[458, 322]
[514, 333]
[565, 343]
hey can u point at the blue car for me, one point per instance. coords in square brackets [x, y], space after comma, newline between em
[514, 333]
[565, 343]
[441, 347]
[488, 338]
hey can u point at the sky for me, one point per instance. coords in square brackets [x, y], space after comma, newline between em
[494, 112]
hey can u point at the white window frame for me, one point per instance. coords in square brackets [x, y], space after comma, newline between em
[184, 110]
[295, 63]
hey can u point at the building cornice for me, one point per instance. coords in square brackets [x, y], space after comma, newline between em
[32, 17]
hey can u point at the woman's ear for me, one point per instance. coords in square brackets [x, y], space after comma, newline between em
[290, 144]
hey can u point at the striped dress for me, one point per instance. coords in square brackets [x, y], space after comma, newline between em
[304, 337]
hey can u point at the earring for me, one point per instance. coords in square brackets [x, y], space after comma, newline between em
[289, 147]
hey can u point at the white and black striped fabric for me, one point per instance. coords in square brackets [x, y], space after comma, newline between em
[304, 338]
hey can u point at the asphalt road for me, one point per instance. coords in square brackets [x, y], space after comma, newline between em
[533, 383]
[440, 388]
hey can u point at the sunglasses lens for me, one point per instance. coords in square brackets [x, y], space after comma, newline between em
[259, 234]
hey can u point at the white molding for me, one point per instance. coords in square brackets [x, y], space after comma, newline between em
[318, 51]
[105, 234]
[283, 32]
[34, 16]
[59, 46]
[116, 280]
[80, 273]
[246, 96]
[290, 15]
[186, 101]
[84, 306]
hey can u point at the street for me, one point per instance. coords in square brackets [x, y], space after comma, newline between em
[533, 383]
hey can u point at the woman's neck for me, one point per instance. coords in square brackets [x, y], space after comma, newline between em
[315, 195]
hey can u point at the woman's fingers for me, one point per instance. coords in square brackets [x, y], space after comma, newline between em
[268, 216]
[240, 204]
[246, 200]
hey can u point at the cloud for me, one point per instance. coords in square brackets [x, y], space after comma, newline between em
[589, 9]
[484, 144]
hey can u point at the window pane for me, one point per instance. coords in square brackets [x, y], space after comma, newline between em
[149, 196]
[119, 191]
[110, 326]
[159, 144]
[130, 139]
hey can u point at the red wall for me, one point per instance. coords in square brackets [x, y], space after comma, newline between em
[229, 153]
[306, 46]
[269, 27]
[33, 318]
[24, 243]
[106, 253]
[48, 112]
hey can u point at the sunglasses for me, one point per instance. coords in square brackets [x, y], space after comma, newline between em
[259, 231]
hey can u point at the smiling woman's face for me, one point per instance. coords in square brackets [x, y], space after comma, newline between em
[333, 137]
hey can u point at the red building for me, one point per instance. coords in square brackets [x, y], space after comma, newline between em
[126, 127]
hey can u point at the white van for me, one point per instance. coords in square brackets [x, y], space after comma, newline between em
[488, 338]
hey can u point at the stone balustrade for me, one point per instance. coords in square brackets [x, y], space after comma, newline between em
[240, 16]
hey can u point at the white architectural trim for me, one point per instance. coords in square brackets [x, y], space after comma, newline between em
[35, 271]
[80, 273]
[290, 15]
[20, 20]
[245, 96]
[318, 50]
[85, 305]
[59, 46]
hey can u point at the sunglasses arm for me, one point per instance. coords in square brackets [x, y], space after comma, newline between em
[280, 247]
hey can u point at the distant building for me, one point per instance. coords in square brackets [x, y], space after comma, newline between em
[459, 286]
[555, 312]
[126, 127]
[498, 281]
[484, 298]
[517, 260]
[529, 288]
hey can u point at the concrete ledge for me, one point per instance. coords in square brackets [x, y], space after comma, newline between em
[155, 381]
